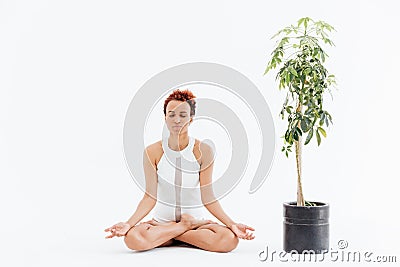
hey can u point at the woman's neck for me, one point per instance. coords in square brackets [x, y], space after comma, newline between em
[178, 142]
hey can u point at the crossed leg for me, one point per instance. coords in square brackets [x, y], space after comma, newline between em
[203, 234]
[211, 237]
[148, 235]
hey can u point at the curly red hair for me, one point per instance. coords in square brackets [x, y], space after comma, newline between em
[184, 96]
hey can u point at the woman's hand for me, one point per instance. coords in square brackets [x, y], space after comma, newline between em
[240, 231]
[119, 229]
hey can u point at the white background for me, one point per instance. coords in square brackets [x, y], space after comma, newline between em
[69, 69]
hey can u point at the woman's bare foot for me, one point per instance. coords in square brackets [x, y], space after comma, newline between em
[193, 223]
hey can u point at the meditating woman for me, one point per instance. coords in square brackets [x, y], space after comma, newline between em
[178, 172]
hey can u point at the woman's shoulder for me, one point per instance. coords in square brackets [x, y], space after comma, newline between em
[202, 146]
[202, 150]
[155, 151]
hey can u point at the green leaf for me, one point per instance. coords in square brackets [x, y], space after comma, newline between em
[287, 78]
[287, 135]
[329, 117]
[295, 136]
[307, 71]
[281, 84]
[315, 51]
[293, 71]
[300, 21]
[309, 136]
[299, 132]
[322, 119]
[266, 70]
[322, 131]
[318, 138]
[303, 125]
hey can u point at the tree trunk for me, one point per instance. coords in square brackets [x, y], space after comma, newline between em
[298, 145]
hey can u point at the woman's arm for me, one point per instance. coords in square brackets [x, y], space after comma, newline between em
[150, 197]
[208, 198]
[207, 194]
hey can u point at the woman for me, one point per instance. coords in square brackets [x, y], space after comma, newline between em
[175, 192]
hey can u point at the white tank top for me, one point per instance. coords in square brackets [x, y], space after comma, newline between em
[178, 188]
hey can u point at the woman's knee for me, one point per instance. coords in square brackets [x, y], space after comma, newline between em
[226, 241]
[135, 240]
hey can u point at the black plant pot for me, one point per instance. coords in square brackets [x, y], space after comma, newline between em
[306, 228]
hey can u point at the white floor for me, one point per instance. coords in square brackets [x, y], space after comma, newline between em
[81, 247]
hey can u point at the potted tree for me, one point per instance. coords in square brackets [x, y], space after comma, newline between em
[302, 74]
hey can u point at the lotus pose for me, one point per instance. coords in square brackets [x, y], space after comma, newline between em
[178, 173]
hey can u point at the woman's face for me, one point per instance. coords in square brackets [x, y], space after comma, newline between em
[178, 117]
